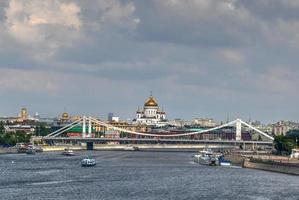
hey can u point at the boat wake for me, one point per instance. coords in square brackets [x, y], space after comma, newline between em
[50, 182]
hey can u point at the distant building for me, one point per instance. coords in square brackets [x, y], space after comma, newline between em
[28, 129]
[179, 122]
[115, 119]
[36, 116]
[281, 128]
[151, 114]
[65, 117]
[23, 114]
[22, 118]
[110, 116]
[204, 122]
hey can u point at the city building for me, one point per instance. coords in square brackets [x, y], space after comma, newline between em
[110, 116]
[204, 122]
[282, 127]
[179, 122]
[23, 114]
[22, 118]
[151, 114]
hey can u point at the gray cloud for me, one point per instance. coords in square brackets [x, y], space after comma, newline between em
[200, 57]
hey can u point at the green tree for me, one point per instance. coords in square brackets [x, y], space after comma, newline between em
[42, 130]
[285, 144]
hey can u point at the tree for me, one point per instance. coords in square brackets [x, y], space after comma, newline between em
[42, 130]
[285, 144]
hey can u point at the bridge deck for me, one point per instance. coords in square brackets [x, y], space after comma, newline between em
[154, 140]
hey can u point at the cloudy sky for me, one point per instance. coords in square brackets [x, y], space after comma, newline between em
[201, 58]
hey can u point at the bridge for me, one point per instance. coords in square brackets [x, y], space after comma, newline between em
[136, 137]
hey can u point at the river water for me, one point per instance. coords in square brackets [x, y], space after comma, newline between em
[135, 175]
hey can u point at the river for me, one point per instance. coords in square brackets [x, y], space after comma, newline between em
[143, 175]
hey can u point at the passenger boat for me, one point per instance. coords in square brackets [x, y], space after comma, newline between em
[88, 162]
[68, 152]
[206, 157]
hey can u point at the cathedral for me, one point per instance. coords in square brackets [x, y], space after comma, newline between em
[151, 114]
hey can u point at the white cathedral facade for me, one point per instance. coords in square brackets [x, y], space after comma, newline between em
[151, 114]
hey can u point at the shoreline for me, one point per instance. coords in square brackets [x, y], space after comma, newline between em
[273, 163]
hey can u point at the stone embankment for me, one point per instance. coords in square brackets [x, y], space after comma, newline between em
[8, 150]
[281, 164]
[291, 167]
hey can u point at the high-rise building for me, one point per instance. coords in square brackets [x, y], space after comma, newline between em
[110, 116]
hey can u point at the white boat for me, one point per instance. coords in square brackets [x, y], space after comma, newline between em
[206, 157]
[295, 153]
[88, 162]
[131, 148]
[30, 150]
[68, 152]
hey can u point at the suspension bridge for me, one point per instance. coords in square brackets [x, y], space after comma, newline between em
[87, 135]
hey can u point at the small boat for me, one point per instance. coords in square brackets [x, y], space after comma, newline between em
[30, 150]
[38, 149]
[88, 162]
[68, 152]
[21, 148]
[131, 148]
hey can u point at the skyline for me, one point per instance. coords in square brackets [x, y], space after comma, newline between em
[201, 58]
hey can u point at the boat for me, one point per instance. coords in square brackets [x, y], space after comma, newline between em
[30, 150]
[21, 148]
[68, 152]
[295, 153]
[206, 157]
[131, 148]
[88, 162]
[38, 149]
[223, 162]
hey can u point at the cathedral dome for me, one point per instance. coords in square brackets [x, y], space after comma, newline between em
[151, 101]
[65, 116]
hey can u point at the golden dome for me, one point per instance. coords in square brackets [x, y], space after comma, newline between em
[24, 113]
[65, 116]
[151, 101]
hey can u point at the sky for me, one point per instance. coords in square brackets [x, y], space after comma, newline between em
[200, 58]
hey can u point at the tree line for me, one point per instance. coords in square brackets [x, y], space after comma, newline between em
[285, 143]
[11, 138]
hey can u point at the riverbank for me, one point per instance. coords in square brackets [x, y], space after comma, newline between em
[7, 150]
[280, 164]
[291, 167]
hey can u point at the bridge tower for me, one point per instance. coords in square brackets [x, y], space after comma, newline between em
[84, 127]
[238, 129]
[89, 127]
